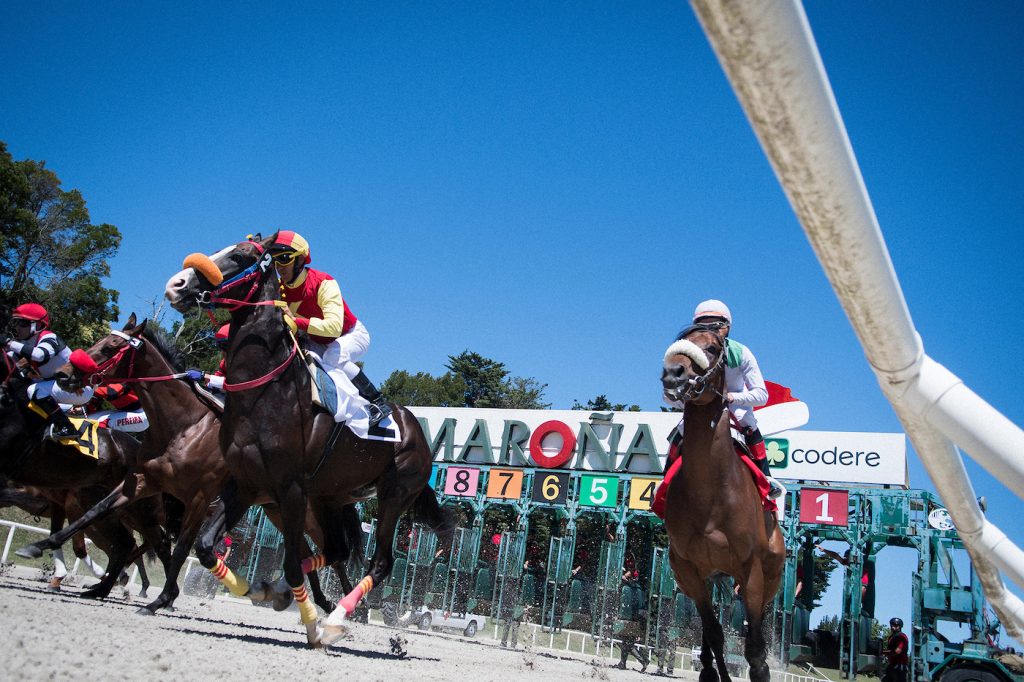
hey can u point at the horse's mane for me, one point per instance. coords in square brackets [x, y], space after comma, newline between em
[174, 355]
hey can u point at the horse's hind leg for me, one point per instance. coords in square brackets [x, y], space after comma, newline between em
[712, 650]
[226, 510]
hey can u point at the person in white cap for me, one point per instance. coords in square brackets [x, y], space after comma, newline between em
[744, 384]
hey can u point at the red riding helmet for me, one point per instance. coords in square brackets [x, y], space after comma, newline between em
[220, 337]
[32, 312]
[288, 241]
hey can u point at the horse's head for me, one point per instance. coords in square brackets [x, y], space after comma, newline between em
[111, 356]
[231, 275]
[694, 367]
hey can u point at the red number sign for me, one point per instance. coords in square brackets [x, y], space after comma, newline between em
[824, 506]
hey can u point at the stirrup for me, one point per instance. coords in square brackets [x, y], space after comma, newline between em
[378, 412]
[55, 432]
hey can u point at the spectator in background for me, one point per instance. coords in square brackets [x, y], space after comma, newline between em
[896, 651]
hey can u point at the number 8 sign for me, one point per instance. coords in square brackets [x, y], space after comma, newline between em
[461, 481]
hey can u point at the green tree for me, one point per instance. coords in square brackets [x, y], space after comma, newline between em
[830, 624]
[488, 384]
[424, 389]
[482, 376]
[602, 404]
[194, 335]
[51, 253]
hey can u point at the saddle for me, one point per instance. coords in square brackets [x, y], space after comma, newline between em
[325, 393]
[763, 487]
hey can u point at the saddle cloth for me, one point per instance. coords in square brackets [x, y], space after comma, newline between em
[87, 444]
[335, 394]
[763, 487]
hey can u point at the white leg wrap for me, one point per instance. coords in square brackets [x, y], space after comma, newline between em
[60, 569]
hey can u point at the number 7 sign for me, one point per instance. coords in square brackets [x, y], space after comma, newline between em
[825, 506]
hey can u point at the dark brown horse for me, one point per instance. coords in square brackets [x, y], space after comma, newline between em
[180, 453]
[276, 441]
[28, 459]
[713, 514]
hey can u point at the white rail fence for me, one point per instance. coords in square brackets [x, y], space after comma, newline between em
[769, 56]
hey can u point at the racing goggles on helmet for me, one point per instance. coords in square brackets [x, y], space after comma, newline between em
[287, 257]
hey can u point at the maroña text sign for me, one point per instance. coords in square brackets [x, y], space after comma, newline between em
[637, 442]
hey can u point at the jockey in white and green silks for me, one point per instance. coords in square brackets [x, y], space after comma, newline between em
[744, 385]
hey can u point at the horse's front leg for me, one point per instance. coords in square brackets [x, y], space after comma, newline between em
[293, 522]
[226, 511]
[712, 650]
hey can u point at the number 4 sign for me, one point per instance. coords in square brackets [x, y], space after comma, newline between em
[824, 506]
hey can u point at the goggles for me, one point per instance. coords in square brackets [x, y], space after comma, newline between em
[288, 257]
[21, 322]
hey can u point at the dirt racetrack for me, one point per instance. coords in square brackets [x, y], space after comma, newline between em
[62, 636]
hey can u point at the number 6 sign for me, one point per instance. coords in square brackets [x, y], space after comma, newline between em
[825, 506]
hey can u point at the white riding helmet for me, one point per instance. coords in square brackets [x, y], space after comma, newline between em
[712, 308]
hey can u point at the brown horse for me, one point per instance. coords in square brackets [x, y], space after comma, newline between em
[28, 459]
[61, 505]
[713, 514]
[275, 440]
[180, 453]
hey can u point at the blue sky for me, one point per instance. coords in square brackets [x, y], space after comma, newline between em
[553, 185]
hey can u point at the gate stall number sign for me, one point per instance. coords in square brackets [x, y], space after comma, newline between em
[641, 492]
[549, 487]
[826, 507]
[599, 491]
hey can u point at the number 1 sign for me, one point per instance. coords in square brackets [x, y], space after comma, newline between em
[824, 506]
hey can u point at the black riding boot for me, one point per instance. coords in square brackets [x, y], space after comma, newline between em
[60, 425]
[379, 409]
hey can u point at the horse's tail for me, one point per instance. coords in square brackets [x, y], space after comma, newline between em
[426, 510]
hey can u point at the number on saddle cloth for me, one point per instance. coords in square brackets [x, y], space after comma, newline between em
[87, 443]
[325, 393]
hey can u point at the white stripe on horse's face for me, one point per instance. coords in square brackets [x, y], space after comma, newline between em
[186, 279]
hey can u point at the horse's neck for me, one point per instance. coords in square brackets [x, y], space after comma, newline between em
[249, 359]
[170, 405]
[703, 426]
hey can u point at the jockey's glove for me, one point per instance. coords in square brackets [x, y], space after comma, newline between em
[290, 321]
[193, 374]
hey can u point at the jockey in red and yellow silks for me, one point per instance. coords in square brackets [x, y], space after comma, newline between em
[317, 307]
[45, 353]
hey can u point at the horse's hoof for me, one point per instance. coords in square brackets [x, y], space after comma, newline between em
[282, 599]
[143, 595]
[30, 552]
[258, 592]
[144, 611]
[332, 633]
[122, 579]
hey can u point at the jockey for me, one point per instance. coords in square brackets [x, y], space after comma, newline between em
[744, 385]
[45, 353]
[127, 414]
[315, 306]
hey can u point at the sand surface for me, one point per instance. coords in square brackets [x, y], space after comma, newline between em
[61, 636]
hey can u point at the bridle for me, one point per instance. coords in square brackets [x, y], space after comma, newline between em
[131, 346]
[696, 386]
[255, 273]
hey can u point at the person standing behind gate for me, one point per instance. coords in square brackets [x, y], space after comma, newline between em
[896, 651]
[315, 306]
[744, 385]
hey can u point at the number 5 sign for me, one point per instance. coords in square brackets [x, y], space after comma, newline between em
[825, 506]
[599, 491]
